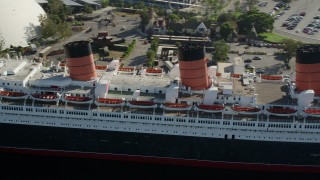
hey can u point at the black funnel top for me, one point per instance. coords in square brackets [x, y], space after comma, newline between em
[308, 54]
[77, 49]
[191, 52]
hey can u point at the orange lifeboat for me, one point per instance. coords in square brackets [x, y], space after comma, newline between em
[271, 77]
[11, 93]
[312, 112]
[247, 110]
[176, 106]
[126, 69]
[77, 99]
[142, 104]
[101, 67]
[281, 110]
[151, 70]
[109, 102]
[210, 108]
[45, 97]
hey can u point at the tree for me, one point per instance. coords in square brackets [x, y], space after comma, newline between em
[154, 44]
[48, 26]
[252, 3]
[139, 5]
[145, 17]
[104, 3]
[63, 30]
[221, 50]
[289, 49]
[88, 9]
[173, 18]
[56, 7]
[150, 57]
[262, 22]
[54, 24]
[286, 1]
[237, 6]
[226, 30]
[227, 16]
[212, 7]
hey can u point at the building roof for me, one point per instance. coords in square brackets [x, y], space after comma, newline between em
[89, 2]
[19, 21]
[194, 24]
[42, 1]
[70, 3]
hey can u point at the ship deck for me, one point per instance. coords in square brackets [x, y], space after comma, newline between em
[273, 93]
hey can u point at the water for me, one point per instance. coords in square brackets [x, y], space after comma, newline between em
[42, 167]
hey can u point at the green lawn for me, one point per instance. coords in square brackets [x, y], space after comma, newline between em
[272, 38]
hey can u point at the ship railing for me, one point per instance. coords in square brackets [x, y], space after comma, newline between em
[173, 120]
[281, 120]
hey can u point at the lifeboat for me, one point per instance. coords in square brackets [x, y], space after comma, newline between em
[271, 77]
[282, 111]
[176, 106]
[153, 71]
[246, 110]
[76, 99]
[312, 112]
[101, 67]
[13, 95]
[109, 102]
[210, 108]
[45, 97]
[126, 69]
[142, 104]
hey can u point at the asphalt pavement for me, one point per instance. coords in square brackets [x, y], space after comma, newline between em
[271, 64]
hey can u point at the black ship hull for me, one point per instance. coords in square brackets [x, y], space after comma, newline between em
[162, 149]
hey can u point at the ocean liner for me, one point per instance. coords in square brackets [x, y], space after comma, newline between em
[220, 116]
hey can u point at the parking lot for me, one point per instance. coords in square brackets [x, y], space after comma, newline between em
[269, 64]
[311, 10]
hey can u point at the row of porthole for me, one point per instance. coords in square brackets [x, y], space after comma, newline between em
[129, 89]
[167, 131]
[68, 118]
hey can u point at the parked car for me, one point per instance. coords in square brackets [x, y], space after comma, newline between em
[249, 66]
[260, 71]
[257, 58]
[248, 61]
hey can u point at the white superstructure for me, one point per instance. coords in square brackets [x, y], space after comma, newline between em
[227, 110]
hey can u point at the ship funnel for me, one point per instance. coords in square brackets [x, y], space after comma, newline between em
[80, 62]
[308, 68]
[193, 67]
